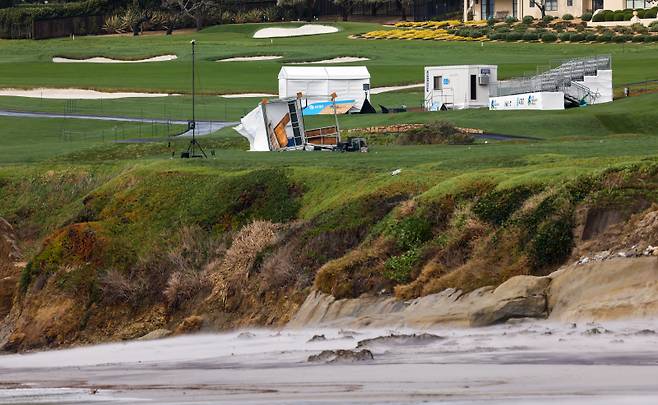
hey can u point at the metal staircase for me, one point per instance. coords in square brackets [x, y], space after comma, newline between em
[566, 78]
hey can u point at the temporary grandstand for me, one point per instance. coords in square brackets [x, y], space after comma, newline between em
[573, 83]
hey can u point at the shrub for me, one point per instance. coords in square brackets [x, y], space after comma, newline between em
[622, 38]
[640, 13]
[491, 22]
[586, 17]
[497, 206]
[511, 20]
[609, 16]
[548, 18]
[530, 36]
[638, 38]
[651, 13]
[591, 36]
[567, 17]
[439, 132]
[513, 36]
[548, 37]
[606, 37]
[552, 242]
[410, 232]
[565, 36]
[628, 16]
[493, 36]
[398, 268]
[528, 20]
[600, 17]
[580, 37]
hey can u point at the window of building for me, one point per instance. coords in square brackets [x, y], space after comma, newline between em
[532, 3]
[438, 82]
[551, 5]
[515, 8]
[633, 4]
[569, 3]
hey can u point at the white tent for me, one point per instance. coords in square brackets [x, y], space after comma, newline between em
[317, 82]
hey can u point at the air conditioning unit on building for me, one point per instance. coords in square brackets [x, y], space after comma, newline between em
[483, 80]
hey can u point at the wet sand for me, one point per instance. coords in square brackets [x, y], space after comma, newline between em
[529, 362]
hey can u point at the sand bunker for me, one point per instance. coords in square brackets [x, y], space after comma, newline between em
[308, 29]
[246, 95]
[340, 59]
[100, 59]
[249, 58]
[74, 94]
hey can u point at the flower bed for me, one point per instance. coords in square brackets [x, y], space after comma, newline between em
[547, 30]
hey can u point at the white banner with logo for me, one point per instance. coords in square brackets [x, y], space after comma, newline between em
[529, 101]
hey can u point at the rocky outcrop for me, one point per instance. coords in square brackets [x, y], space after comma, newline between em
[341, 356]
[612, 289]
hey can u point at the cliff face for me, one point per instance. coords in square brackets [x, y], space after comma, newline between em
[177, 252]
[9, 269]
[620, 288]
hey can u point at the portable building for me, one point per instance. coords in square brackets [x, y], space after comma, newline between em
[457, 87]
[351, 84]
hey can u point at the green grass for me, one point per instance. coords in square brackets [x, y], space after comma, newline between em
[28, 63]
[29, 140]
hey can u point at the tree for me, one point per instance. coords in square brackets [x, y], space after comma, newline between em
[402, 6]
[195, 9]
[346, 7]
[375, 5]
[6, 3]
[541, 5]
[305, 8]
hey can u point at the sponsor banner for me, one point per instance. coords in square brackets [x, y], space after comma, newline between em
[327, 107]
[529, 101]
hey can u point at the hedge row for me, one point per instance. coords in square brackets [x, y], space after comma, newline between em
[23, 16]
[571, 37]
[624, 15]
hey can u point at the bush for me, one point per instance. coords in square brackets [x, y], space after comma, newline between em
[493, 36]
[606, 37]
[497, 206]
[398, 268]
[621, 38]
[640, 13]
[580, 37]
[651, 13]
[548, 37]
[511, 20]
[586, 17]
[530, 36]
[548, 18]
[528, 20]
[565, 36]
[567, 17]
[491, 22]
[439, 132]
[591, 37]
[513, 36]
[638, 38]
[609, 16]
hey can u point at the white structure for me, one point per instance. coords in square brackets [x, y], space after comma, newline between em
[350, 83]
[574, 83]
[274, 125]
[457, 87]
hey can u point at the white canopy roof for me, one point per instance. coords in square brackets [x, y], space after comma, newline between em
[322, 72]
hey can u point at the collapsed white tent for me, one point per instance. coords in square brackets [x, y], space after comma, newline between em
[316, 82]
[274, 125]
